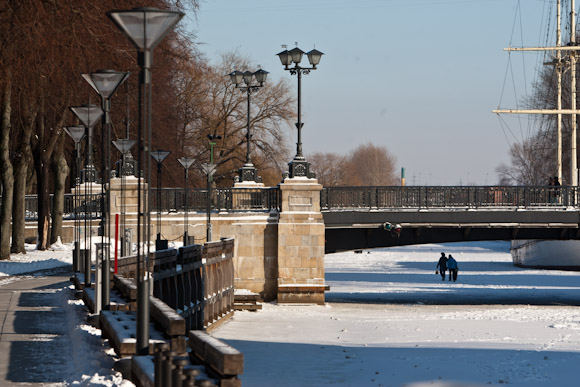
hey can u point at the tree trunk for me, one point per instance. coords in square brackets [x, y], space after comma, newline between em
[43, 148]
[60, 169]
[19, 206]
[7, 172]
[22, 160]
[42, 168]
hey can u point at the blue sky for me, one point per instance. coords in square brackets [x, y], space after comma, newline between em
[417, 76]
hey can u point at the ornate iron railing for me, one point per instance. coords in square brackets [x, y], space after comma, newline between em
[222, 199]
[87, 206]
[333, 198]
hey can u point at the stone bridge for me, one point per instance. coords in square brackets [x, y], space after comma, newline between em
[282, 233]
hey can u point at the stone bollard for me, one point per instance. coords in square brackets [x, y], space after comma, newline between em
[159, 359]
[178, 375]
[167, 368]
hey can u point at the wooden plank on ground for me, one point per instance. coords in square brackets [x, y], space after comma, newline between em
[246, 297]
[120, 328]
[223, 358]
[89, 299]
[126, 287]
[171, 322]
[143, 370]
[250, 307]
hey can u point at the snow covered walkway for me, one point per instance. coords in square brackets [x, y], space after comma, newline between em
[43, 337]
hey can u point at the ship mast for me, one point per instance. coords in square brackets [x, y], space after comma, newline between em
[572, 48]
[573, 161]
[559, 76]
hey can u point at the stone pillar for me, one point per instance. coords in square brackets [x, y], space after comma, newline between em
[300, 242]
[130, 194]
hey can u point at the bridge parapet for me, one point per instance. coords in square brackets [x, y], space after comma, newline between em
[449, 196]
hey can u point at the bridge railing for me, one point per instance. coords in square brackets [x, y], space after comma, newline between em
[222, 199]
[448, 197]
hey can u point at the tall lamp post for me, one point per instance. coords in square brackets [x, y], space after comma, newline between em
[76, 133]
[209, 170]
[248, 171]
[124, 146]
[299, 167]
[145, 27]
[89, 115]
[159, 156]
[105, 83]
[186, 162]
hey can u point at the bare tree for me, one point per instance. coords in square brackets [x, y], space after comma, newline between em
[531, 162]
[370, 165]
[6, 172]
[329, 168]
[210, 104]
[60, 171]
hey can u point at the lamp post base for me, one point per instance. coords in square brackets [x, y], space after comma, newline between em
[161, 244]
[299, 167]
[188, 240]
[248, 173]
[89, 174]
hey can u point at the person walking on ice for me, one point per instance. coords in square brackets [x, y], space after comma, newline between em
[442, 266]
[452, 266]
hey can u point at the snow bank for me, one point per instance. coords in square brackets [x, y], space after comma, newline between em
[56, 256]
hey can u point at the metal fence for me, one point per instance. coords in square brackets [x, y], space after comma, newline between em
[86, 206]
[268, 199]
[222, 199]
[170, 200]
[448, 197]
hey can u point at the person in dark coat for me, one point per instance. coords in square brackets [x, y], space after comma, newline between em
[452, 266]
[442, 266]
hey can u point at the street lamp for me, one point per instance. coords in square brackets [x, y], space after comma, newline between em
[248, 171]
[209, 170]
[124, 146]
[76, 133]
[299, 167]
[105, 83]
[159, 156]
[145, 27]
[186, 162]
[89, 115]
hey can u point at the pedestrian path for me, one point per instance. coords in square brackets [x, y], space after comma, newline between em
[35, 346]
[44, 340]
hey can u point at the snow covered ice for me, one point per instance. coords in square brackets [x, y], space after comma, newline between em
[390, 321]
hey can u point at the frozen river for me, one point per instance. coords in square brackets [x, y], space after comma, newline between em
[390, 321]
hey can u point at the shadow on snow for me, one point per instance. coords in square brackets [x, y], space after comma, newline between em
[358, 365]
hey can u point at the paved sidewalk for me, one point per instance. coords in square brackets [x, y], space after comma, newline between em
[36, 328]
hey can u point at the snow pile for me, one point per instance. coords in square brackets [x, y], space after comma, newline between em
[57, 255]
[92, 363]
